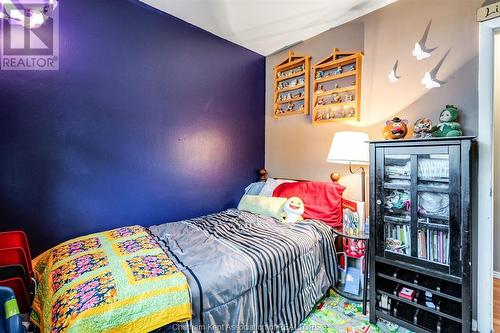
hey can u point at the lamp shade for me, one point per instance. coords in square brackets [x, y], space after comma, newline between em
[349, 147]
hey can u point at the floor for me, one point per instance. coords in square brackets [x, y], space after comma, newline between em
[335, 314]
[496, 305]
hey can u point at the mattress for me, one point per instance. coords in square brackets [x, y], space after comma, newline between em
[250, 273]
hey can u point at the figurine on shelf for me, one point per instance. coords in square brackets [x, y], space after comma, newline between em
[337, 70]
[349, 97]
[320, 101]
[288, 96]
[395, 129]
[350, 113]
[448, 125]
[290, 107]
[297, 95]
[279, 110]
[422, 128]
[282, 85]
[353, 83]
[301, 107]
[351, 67]
[336, 86]
[319, 75]
[300, 81]
[320, 89]
[293, 83]
[336, 98]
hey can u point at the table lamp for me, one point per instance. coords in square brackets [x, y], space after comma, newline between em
[351, 148]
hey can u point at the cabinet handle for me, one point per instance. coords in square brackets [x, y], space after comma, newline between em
[379, 202]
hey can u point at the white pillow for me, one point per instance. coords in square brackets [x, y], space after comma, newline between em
[268, 206]
[270, 186]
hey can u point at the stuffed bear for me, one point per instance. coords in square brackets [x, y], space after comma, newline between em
[448, 125]
[395, 128]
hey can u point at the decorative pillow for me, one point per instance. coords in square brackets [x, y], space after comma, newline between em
[267, 206]
[270, 186]
[254, 188]
[322, 200]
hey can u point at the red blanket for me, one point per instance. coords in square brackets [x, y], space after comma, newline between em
[322, 200]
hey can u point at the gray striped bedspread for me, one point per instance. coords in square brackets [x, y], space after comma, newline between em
[250, 273]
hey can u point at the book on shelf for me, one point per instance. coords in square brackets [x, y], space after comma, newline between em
[352, 280]
[353, 218]
[398, 238]
[433, 245]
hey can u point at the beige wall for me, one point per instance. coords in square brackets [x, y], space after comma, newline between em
[496, 133]
[297, 149]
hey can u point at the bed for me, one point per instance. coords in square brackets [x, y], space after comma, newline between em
[248, 272]
[233, 271]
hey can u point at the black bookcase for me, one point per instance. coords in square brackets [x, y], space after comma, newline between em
[420, 231]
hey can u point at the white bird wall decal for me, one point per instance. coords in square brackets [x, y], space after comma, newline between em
[421, 51]
[393, 77]
[429, 80]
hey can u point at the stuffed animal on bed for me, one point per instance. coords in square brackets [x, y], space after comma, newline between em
[293, 210]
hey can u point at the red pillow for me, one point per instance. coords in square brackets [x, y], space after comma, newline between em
[322, 200]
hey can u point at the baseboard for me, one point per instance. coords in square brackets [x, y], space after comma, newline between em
[496, 275]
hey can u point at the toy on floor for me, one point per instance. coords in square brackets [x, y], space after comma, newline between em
[10, 320]
[293, 210]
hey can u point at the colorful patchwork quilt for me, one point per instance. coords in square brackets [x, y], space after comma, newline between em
[114, 281]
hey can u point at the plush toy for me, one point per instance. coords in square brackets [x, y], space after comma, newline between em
[422, 128]
[395, 128]
[448, 125]
[293, 210]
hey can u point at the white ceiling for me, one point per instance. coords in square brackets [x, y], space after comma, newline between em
[266, 26]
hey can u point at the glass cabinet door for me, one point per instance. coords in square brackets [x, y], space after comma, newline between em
[433, 211]
[415, 207]
[397, 204]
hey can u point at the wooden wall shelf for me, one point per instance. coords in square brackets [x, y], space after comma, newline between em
[337, 87]
[291, 86]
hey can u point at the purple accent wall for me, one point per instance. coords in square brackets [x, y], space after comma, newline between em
[148, 120]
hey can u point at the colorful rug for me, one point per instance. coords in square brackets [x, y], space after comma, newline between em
[335, 314]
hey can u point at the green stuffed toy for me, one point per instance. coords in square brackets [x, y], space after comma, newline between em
[448, 125]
